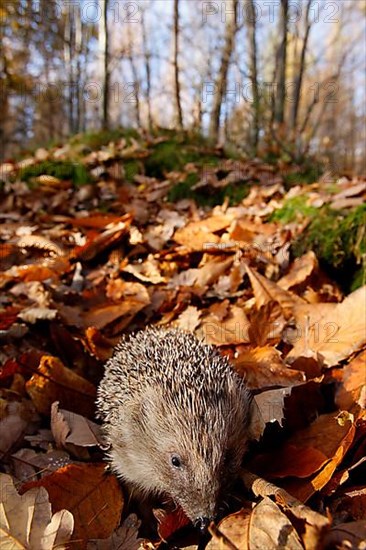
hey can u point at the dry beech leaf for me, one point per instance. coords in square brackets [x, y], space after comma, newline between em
[270, 528]
[189, 319]
[100, 317]
[266, 324]
[300, 270]
[54, 382]
[26, 521]
[232, 532]
[68, 427]
[327, 437]
[198, 235]
[98, 345]
[12, 428]
[93, 497]
[311, 525]
[265, 527]
[346, 536]
[270, 408]
[263, 367]
[353, 383]
[211, 271]
[334, 332]
[147, 272]
[267, 291]
[232, 329]
[124, 538]
[112, 234]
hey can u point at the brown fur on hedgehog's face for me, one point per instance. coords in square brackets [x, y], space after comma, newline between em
[190, 453]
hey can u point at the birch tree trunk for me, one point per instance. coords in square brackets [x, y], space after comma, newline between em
[221, 80]
[179, 113]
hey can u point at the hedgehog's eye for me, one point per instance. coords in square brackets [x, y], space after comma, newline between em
[176, 461]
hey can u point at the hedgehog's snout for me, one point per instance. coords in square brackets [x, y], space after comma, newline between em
[202, 523]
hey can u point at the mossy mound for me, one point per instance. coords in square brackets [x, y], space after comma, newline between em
[339, 240]
[337, 237]
[63, 170]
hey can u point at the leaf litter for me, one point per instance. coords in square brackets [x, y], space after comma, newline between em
[82, 266]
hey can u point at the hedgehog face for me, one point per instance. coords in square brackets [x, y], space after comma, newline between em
[194, 452]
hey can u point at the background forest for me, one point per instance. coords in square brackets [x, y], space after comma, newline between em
[275, 78]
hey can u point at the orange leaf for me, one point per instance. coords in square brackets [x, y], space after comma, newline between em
[93, 497]
[54, 382]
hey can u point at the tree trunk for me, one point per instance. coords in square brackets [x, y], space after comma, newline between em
[135, 76]
[300, 72]
[221, 80]
[147, 57]
[282, 64]
[103, 38]
[179, 113]
[253, 73]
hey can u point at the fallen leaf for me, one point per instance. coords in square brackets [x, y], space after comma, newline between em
[189, 319]
[266, 291]
[333, 331]
[232, 329]
[26, 521]
[353, 383]
[300, 271]
[93, 497]
[109, 237]
[265, 527]
[124, 538]
[263, 367]
[68, 427]
[54, 382]
[346, 535]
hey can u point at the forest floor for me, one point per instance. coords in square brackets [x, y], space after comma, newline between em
[111, 232]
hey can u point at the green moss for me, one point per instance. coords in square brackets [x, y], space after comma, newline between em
[294, 209]
[174, 154]
[338, 240]
[64, 170]
[307, 174]
[207, 196]
[132, 168]
[96, 140]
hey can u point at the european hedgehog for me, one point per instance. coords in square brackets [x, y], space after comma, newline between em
[176, 418]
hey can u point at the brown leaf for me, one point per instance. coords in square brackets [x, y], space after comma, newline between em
[111, 236]
[54, 382]
[346, 535]
[270, 408]
[263, 368]
[267, 291]
[353, 384]
[232, 329]
[264, 527]
[327, 436]
[332, 331]
[170, 522]
[300, 270]
[124, 538]
[92, 496]
[72, 428]
[189, 319]
[198, 235]
[26, 521]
